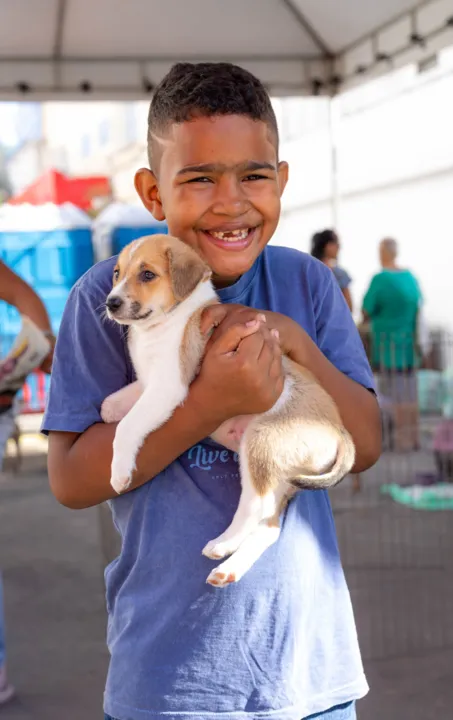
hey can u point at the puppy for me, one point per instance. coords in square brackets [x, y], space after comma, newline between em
[160, 289]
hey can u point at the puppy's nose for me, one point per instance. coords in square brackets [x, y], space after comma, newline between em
[114, 303]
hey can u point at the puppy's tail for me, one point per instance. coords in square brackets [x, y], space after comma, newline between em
[342, 465]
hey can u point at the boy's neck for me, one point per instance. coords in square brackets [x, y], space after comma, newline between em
[220, 282]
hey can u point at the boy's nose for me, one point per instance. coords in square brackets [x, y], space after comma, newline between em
[231, 198]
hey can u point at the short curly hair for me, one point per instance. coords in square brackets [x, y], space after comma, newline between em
[205, 89]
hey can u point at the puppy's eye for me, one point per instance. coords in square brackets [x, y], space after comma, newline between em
[116, 274]
[147, 276]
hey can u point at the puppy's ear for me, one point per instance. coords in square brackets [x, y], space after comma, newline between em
[186, 270]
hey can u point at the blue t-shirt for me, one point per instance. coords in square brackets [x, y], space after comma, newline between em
[282, 642]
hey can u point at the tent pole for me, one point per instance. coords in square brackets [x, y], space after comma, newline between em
[333, 139]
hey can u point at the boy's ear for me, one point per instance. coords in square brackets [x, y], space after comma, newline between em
[283, 170]
[146, 186]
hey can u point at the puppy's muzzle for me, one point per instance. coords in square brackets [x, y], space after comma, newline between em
[114, 303]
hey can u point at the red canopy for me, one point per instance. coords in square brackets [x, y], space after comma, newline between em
[56, 188]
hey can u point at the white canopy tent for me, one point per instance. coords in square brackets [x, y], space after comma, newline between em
[119, 49]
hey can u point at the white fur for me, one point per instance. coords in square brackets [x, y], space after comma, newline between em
[155, 353]
[252, 509]
[135, 245]
[284, 396]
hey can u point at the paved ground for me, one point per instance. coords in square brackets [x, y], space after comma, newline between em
[398, 565]
[51, 565]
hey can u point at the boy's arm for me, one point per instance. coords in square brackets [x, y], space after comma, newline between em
[79, 464]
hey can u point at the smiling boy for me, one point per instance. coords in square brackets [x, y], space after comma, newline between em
[282, 642]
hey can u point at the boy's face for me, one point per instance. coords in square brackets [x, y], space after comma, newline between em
[218, 186]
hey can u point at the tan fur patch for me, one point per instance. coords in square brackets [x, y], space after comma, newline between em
[192, 348]
[186, 270]
[302, 441]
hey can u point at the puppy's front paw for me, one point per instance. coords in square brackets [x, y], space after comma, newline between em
[122, 469]
[120, 484]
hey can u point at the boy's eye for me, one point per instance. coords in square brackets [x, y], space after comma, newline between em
[200, 180]
[147, 276]
[256, 177]
[116, 274]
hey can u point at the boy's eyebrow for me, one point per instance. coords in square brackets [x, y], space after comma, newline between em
[251, 166]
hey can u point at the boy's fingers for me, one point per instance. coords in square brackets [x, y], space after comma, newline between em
[227, 315]
[251, 347]
[272, 351]
[229, 341]
[265, 357]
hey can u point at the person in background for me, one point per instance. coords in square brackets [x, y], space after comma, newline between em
[16, 292]
[325, 246]
[391, 304]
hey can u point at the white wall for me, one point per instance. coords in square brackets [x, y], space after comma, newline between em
[25, 165]
[419, 215]
[92, 134]
[395, 178]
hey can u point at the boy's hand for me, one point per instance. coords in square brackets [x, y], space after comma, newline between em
[224, 316]
[241, 373]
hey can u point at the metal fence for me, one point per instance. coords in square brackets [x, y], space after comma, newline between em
[399, 560]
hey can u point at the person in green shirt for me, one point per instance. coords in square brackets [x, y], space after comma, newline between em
[391, 306]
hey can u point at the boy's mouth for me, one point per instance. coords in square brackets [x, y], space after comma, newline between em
[236, 239]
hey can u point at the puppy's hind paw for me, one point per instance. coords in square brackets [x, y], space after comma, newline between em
[215, 550]
[111, 411]
[217, 578]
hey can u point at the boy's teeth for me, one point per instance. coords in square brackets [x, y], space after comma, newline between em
[231, 235]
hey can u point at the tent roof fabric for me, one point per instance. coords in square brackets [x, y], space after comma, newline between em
[54, 187]
[114, 49]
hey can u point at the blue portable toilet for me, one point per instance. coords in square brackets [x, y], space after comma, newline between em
[119, 224]
[50, 247]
